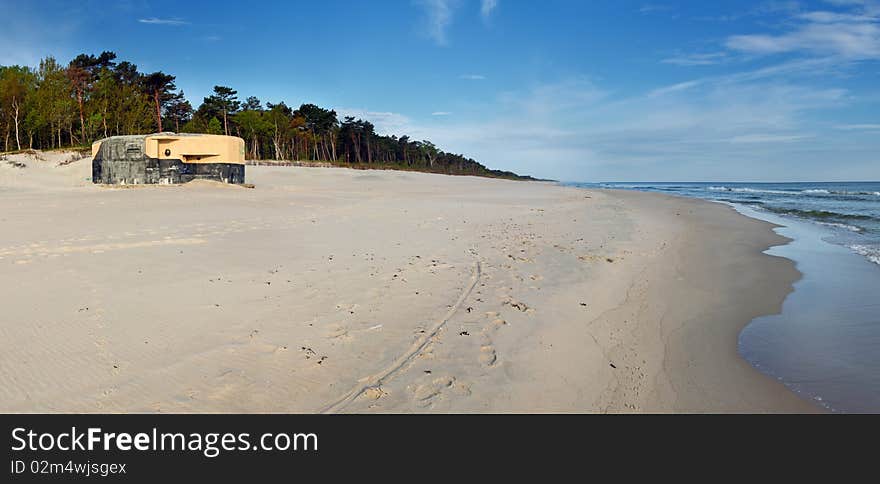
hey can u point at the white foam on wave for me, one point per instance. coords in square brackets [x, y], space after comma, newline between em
[844, 192]
[809, 191]
[871, 253]
[851, 228]
[748, 190]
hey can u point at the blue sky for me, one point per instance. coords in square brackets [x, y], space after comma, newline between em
[571, 90]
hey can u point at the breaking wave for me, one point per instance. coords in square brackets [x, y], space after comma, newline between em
[871, 253]
[819, 214]
[807, 192]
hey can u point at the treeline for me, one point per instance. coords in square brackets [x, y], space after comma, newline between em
[94, 97]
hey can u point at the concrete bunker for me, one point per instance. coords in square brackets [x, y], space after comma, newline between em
[165, 158]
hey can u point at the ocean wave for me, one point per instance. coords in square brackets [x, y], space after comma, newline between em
[819, 214]
[755, 202]
[748, 190]
[848, 193]
[807, 192]
[851, 228]
[623, 185]
[871, 253]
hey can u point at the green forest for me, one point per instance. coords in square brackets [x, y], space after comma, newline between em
[92, 97]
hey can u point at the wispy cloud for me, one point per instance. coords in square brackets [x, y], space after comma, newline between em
[854, 34]
[472, 77]
[712, 128]
[163, 21]
[762, 9]
[696, 59]
[439, 14]
[441, 113]
[386, 123]
[487, 7]
[653, 8]
[681, 86]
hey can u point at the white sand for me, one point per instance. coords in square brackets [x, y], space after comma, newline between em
[375, 291]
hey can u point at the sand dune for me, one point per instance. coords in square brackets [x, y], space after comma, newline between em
[346, 291]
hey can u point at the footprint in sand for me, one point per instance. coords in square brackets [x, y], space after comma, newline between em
[425, 393]
[488, 355]
[375, 393]
[518, 305]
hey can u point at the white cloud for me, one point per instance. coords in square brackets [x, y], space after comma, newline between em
[697, 59]
[681, 86]
[439, 14]
[386, 123]
[850, 35]
[487, 7]
[714, 128]
[832, 17]
[652, 8]
[744, 125]
[441, 113]
[472, 77]
[163, 21]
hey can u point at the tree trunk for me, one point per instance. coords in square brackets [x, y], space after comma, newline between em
[315, 147]
[82, 118]
[276, 142]
[15, 115]
[158, 111]
[225, 126]
[333, 145]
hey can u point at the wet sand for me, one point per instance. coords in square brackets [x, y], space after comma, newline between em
[333, 290]
[824, 344]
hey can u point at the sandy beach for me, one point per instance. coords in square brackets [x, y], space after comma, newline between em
[336, 290]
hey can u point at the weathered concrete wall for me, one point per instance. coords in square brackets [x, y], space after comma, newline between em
[122, 160]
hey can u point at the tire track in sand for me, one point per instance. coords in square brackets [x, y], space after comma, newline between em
[375, 380]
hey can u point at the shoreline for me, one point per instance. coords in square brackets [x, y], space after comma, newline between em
[830, 313]
[757, 285]
[290, 296]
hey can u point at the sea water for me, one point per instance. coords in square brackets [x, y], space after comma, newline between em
[825, 345]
